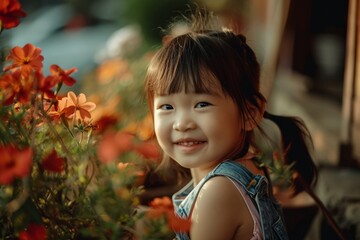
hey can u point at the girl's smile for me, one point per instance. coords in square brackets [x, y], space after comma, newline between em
[189, 145]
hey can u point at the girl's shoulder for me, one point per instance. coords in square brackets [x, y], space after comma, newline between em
[221, 209]
[220, 192]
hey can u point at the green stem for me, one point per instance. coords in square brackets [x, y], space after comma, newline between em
[19, 126]
[57, 136]
[33, 125]
[81, 137]
[64, 121]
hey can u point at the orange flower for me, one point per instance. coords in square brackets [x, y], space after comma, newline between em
[10, 12]
[161, 203]
[178, 224]
[15, 88]
[149, 150]
[34, 232]
[60, 75]
[14, 163]
[163, 206]
[113, 69]
[9, 87]
[144, 129]
[57, 107]
[53, 162]
[45, 85]
[27, 58]
[159, 208]
[113, 145]
[77, 104]
[106, 115]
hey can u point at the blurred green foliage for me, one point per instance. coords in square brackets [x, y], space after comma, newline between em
[154, 16]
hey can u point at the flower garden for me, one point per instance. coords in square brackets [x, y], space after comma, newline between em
[72, 165]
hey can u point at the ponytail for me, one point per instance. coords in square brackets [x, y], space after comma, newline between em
[295, 140]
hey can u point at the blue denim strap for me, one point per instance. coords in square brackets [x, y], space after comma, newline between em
[250, 182]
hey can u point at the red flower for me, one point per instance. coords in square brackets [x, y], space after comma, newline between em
[14, 163]
[163, 206]
[27, 58]
[60, 75]
[161, 203]
[16, 87]
[149, 150]
[10, 12]
[106, 121]
[113, 145]
[53, 162]
[34, 232]
[9, 87]
[45, 85]
[178, 224]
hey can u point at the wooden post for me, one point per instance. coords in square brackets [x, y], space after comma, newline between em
[350, 128]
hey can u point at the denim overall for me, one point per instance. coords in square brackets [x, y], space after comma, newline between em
[256, 186]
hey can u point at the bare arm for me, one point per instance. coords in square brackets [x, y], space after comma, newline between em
[220, 212]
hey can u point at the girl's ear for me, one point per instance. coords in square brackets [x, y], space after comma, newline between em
[255, 116]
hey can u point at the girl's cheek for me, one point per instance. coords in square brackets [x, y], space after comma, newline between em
[159, 127]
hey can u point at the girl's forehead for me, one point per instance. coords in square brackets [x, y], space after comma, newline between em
[202, 81]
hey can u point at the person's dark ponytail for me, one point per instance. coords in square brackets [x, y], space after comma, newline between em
[295, 146]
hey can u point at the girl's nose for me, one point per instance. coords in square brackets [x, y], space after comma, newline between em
[184, 125]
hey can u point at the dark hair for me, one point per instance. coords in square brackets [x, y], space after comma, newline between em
[225, 57]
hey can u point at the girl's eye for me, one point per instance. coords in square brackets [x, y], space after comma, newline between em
[166, 107]
[202, 104]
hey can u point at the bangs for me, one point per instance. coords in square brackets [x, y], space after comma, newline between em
[179, 67]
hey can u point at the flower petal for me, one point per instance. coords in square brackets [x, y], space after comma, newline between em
[72, 98]
[81, 99]
[88, 106]
[29, 50]
[17, 54]
[84, 114]
[54, 70]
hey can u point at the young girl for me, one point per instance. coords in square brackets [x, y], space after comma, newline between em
[203, 91]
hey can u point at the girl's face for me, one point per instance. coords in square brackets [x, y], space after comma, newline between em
[197, 130]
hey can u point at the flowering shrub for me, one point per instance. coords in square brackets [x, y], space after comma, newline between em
[72, 165]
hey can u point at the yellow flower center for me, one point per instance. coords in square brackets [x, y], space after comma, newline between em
[26, 60]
